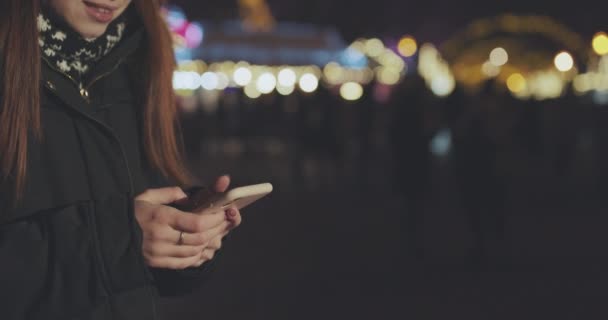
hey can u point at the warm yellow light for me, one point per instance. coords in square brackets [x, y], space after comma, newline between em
[516, 83]
[490, 70]
[358, 45]
[582, 83]
[334, 73]
[546, 84]
[443, 84]
[499, 57]
[390, 59]
[407, 46]
[564, 61]
[374, 47]
[600, 43]
[252, 91]
[351, 91]
[387, 76]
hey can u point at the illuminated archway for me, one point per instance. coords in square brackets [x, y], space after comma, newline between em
[531, 42]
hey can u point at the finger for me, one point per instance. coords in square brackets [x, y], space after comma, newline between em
[206, 255]
[175, 263]
[162, 195]
[159, 232]
[216, 243]
[222, 183]
[204, 238]
[195, 223]
[212, 210]
[172, 250]
[234, 216]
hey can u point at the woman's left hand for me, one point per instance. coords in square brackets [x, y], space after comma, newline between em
[178, 240]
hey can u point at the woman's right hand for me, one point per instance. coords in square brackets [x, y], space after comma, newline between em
[173, 239]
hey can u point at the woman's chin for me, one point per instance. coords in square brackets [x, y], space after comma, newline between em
[91, 32]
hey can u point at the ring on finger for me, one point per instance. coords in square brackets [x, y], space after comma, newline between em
[180, 240]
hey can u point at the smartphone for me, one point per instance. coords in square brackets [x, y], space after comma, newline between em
[200, 199]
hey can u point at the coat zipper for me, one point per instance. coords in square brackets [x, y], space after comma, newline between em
[111, 133]
[82, 89]
[125, 160]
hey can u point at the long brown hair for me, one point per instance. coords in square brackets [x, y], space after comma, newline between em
[20, 91]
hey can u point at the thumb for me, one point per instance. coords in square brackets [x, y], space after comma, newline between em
[162, 195]
[222, 183]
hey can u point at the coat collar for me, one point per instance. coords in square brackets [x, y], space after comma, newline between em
[69, 91]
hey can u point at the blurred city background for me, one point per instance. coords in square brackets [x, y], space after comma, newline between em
[430, 159]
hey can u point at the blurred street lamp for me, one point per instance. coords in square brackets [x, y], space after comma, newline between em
[516, 83]
[266, 83]
[407, 46]
[374, 47]
[309, 82]
[351, 91]
[490, 70]
[600, 43]
[209, 81]
[252, 91]
[242, 76]
[287, 78]
[564, 61]
[499, 57]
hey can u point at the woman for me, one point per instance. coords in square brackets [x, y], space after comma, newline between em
[87, 152]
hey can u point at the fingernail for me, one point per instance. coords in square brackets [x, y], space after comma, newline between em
[231, 213]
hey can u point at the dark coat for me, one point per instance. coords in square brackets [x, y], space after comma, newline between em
[72, 248]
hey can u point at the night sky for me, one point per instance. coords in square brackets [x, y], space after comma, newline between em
[431, 19]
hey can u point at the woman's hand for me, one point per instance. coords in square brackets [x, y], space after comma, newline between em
[173, 239]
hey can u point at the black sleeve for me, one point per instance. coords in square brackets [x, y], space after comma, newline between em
[181, 282]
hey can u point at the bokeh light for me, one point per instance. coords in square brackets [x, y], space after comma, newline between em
[186, 80]
[176, 18]
[564, 61]
[223, 81]
[387, 76]
[334, 73]
[516, 83]
[490, 70]
[251, 91]
[285, 91]
[600, 43]
[242, 76]
[194, 35]
[209, 81]
[374, 47]
[351, 91]
[309, 82]
[499, 57]
[287, 78]
[443, 85]
[266, 83]
[407, 46]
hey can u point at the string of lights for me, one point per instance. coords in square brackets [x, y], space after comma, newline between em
[299, 57]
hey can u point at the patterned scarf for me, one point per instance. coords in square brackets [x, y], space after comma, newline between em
[68, 51]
